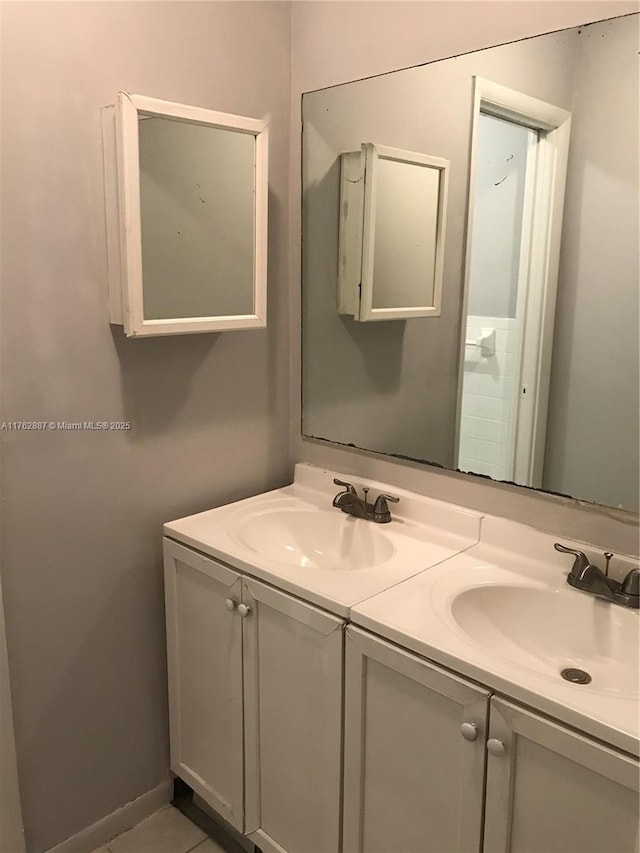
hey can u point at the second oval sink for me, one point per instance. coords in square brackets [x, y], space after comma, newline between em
[324, 539]
[549, 630]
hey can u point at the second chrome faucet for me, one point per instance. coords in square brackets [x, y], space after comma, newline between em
[350, 502]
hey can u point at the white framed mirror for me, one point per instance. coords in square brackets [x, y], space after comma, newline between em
[391, 242]
[186, 196]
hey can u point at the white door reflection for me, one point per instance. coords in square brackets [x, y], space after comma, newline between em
[501, 237]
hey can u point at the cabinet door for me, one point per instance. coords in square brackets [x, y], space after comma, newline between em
[204, 653]
[293, 722]
[551, 789]
[413, 782]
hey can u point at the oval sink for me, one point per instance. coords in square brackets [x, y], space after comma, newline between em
[324, 539]
[548, 630]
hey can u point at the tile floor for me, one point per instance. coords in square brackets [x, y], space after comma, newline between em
[166, 831]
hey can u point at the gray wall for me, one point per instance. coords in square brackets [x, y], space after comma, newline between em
[392, 386]
[82, 515]
[592, 440]
[334, 42]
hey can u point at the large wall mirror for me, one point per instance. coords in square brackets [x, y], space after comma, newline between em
[186, 217]
[530, 373]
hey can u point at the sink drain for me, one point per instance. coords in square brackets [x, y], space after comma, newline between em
[576, 676]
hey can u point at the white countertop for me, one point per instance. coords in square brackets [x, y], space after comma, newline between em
[423, 532]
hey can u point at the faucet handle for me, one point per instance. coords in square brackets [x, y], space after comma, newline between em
[581, 561]
[381, 507]
[392, 498]
[348, 487]
[631, 583]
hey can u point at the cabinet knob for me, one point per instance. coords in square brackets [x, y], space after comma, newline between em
[496, 747]
[230, 604]
[243, 610]
[469, 731]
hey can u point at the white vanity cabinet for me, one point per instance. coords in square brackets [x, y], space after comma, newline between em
[255, 703]
[204, 661]
[413, 781]
[550, 788]
[418, 741]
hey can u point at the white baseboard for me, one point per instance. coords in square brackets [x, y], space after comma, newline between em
[120, 820]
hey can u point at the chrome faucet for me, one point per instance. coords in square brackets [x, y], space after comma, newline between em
[349, 501]
[586, 576]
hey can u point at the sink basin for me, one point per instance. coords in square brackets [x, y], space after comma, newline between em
[315, 538]
[548, 629]
[295, 540]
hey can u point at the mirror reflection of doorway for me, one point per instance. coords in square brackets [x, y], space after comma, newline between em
[496, 308]
[515, 214]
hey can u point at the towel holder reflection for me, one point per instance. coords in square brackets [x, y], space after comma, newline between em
[485, 342]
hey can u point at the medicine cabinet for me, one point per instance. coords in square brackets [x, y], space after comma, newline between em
[391, 234]
[186, 212]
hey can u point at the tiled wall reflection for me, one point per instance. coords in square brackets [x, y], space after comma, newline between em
[488, 400]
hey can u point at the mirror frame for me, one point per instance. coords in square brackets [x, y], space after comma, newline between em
[124, 236]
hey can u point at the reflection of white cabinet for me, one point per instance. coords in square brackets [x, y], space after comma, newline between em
[391, 239]
[241, 651]
[413, 782]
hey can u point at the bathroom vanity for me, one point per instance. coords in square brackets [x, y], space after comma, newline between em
[341, 685]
